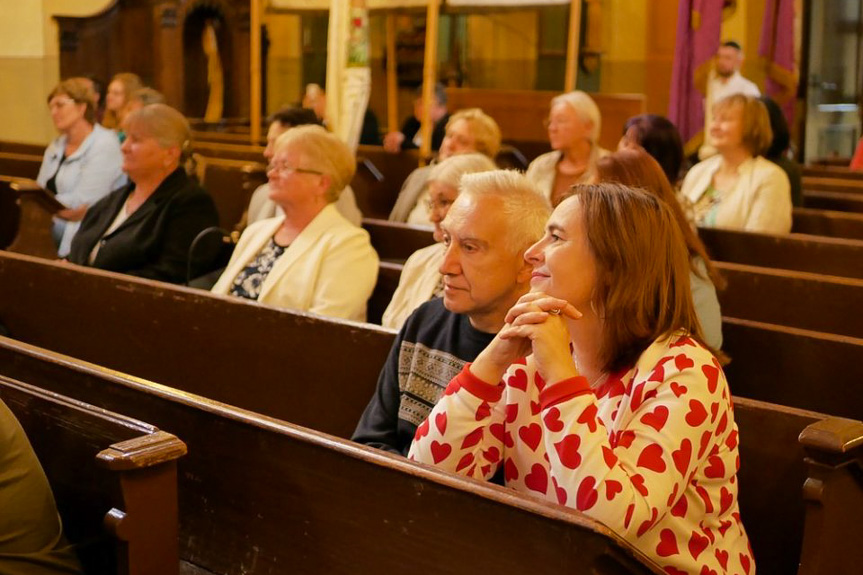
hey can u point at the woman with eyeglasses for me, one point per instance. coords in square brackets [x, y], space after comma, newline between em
[573, 132]
[311, 258]
[146, 228]
[420, 280]
[83, 164]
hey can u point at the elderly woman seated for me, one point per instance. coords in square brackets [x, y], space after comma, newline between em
[311, 258]
[147, 227]
[470, 130]
[574, 124]
[420, 279]
[738, 188]
[84, 164]
[599, 393]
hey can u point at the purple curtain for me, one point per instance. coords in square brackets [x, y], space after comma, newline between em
[777, 51]
[699, 23]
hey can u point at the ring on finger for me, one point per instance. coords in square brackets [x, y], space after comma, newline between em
[554, 311]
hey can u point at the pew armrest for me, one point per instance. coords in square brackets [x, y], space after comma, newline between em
[834, 438]
[141, 452]
[148, 523]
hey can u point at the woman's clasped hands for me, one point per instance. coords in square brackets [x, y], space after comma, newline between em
[536, 325]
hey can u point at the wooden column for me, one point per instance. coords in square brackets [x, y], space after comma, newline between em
[572, 45]
[392, 77]
[429, 77]
[255, 104]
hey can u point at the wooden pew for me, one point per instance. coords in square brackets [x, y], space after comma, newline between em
[300, 496]
[22, 148]
[388, 280]
[225, 151]
[820, 255]
[794, 299]
[833, 184]
[226, 138]
[20, 165]
[105, 468]
[30, 216]
[829, 223]
[231, 183]
[395, 242]
[837, 172]
[249, 355]
[259, 495]
[829, 200]
[794, 367]
[520, 113]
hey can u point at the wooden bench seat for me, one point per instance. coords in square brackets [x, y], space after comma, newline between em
[106, 470]
[830, 200]
[259, 495]
[825, 171]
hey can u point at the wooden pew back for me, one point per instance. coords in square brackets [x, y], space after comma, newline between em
[820, 255]
[104, 469]
[231, 183]
[20, 165]
[830, 200]
[249, 355]
[258, 495]
[794, 299]
[827, 223]
[302, 496]
[520, 113]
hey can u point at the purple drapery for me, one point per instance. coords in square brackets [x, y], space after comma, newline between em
[777, 51]
[699, 23]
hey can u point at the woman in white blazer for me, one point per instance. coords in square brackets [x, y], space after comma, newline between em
[312, 258]
[738, 188]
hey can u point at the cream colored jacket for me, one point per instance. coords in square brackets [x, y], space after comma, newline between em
[329, 269]
[419, 278]
[760, 202]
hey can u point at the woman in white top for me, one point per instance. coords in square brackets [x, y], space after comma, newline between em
[421, 279]
[311, 258]
[573, 124]
[738, 188]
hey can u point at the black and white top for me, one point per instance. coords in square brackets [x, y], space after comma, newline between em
[248, 282]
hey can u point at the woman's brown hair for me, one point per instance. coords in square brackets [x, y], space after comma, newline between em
[757, 133]
[642, 288]
[131, 83]
[80, 90]
[636, 168]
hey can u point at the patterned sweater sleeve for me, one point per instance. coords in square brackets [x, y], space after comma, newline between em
[464, 433]
[672, 419]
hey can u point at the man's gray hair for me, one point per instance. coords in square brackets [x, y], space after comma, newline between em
[523, 206]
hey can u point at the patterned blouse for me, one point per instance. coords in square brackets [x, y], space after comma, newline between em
[248, 282]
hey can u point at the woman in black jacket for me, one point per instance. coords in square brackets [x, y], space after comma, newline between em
[146, 228]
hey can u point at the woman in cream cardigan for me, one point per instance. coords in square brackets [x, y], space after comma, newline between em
[738, 188]
[312, 258]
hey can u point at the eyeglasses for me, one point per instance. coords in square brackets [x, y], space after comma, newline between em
[284, 168]
[547, 122]
[60, 103]
[443, 204]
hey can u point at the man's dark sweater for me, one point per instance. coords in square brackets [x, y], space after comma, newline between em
[431, 349]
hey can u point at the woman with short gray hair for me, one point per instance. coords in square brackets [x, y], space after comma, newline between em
[311, 258]
[573, 124]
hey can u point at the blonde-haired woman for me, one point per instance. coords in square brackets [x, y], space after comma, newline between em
[146, 228]
[120, 91]
[84, 163]
[311, 258]
[420, 280]
[469, 130]
[739, 188]
[574, 123]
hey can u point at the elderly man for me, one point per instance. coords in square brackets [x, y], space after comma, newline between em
[495, 218]
[725, 80]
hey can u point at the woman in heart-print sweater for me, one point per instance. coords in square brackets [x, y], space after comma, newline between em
[599, 392]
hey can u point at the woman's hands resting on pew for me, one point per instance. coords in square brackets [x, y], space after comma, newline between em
[536, 326]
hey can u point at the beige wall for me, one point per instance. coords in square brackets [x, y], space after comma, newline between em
[284, 61]
[29, 64]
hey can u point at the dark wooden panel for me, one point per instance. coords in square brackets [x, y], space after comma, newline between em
[830, 256]
[827, 223]
[262, 496]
